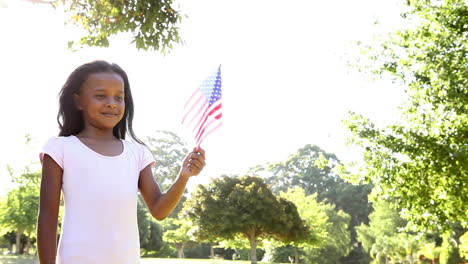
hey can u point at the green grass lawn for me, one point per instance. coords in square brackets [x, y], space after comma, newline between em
[33, 260]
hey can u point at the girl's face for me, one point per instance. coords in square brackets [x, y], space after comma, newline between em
[101, 100]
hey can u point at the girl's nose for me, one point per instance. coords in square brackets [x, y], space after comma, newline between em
[111, 103]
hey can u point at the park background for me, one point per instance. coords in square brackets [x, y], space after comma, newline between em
[291, 73]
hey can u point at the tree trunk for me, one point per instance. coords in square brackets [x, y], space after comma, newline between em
[28, 245]
[296, 255]
[19, 233]
[180, 250]
[253, 249]
[211, 251]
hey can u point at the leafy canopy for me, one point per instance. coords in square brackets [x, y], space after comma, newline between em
[168, 150]
[421, 160]
[19, 207]
[153, 25]
[244, 206]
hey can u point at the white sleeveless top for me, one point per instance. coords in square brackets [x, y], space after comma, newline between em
[100, 195]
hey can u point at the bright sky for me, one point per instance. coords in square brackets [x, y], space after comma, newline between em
[286, 82]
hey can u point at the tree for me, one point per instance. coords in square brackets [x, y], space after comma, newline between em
[464, 245]
[10, 239]
[19, 209]
[451, 245]
[409, 247]
[353, 200]
[337, 243]
[153, 25]
[239, 244]
[383, 250]
[181, 234]
[143, 219]
[420, 160]
[315, 216]
[384, 222]
[244, 206]
[168, 150]
[431, 251]
[150, 232]
[310, 168]
[384, 239]
[316, 171]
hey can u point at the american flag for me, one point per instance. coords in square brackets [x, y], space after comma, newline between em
[202, 111]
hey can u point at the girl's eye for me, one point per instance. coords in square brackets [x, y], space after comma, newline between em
[119, 98]
[99, 96]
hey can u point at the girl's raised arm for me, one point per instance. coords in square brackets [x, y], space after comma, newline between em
[49, 203]
[162, 204]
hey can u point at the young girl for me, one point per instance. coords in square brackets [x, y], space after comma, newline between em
[100, 173]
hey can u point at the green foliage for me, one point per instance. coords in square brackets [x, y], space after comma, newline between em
[168, 151]
[152, 24]
[353, 199]
[237, 243]
[314, 214]
[337, 243]
[230, 206]
[452, 245]
[400, 248]
[383, 239]
[143, 219]
[421, 161]
[18, 210]
[384, 221]
[181, 234]
[431, 251]
[449, 253]
[244, 206]
[357, 256]
[150, 232]
[382, 249]
[310, 168]
[316, 171]
[282, 254]
[464, 245]
[198, 251]
[409, 246]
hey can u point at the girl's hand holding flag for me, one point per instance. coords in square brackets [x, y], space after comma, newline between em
[201, 116]
[193, 163]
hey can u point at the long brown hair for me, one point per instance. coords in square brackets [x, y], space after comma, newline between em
[70, 119]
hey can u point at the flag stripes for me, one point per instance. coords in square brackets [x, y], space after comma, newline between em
[202, 111]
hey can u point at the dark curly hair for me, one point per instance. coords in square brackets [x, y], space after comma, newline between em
[70, 119]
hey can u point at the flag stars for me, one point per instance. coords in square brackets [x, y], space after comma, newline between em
[211, 88]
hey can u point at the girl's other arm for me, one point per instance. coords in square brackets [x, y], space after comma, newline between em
[162, 204]
[49, 203]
